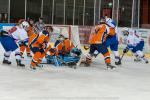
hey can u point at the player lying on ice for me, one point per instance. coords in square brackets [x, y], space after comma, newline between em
[11, 39]
[66, 53]
[135, 44]
[97, 42]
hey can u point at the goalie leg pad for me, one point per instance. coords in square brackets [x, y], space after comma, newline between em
[88, 60]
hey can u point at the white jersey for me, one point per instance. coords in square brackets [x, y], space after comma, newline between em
[133, 39]
[18, 33]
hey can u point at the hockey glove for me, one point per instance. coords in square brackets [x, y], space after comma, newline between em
[40, 45]
[126, 50]
[20, 43]
[25, 42]
[52, 50]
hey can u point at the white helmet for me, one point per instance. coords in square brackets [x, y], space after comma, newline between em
[111, 22]
[25, 24]
[125, 31]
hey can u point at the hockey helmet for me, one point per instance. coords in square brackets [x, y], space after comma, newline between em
[125, 31]
[25, 25]
[76, 51]
[110, 22]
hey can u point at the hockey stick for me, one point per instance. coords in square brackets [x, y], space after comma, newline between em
[122, 57]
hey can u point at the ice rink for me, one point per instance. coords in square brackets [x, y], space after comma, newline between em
[131, 81]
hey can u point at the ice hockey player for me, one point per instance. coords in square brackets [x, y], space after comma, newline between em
[135, 44]
[66, 51]
[64, 46]
[97, 39]
[112, 41]
[24, 47]
[11, 39]
[38, 45]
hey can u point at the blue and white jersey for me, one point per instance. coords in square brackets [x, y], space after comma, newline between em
[18, 33]
[133, 38]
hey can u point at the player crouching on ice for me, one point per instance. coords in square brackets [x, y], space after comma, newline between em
[97, 42]
[11, 39]
[66, 53]
[39, 45]
[135, 44]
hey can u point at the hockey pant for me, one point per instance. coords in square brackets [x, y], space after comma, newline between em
[101, 48]
[39, 54]
[10, 45]
[112, 42]
[137, 50]
[22, 49]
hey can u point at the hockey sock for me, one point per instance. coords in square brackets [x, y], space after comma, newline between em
[107, 58]
[35, 59]
[22, 49]
[7, 55]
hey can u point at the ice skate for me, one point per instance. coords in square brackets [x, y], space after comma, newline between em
[109, 66]
[6, 62]
[32, 67]
[145, 60]
[19, 63]
[118, 63]
[40, 65]
[137, 59]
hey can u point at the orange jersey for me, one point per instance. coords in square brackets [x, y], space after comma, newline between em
[65, 46]
[99, 34]
[30, 31]
[35, 40]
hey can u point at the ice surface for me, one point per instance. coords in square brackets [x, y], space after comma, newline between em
[131, 81]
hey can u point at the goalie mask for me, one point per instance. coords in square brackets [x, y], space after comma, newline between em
[76, 52]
